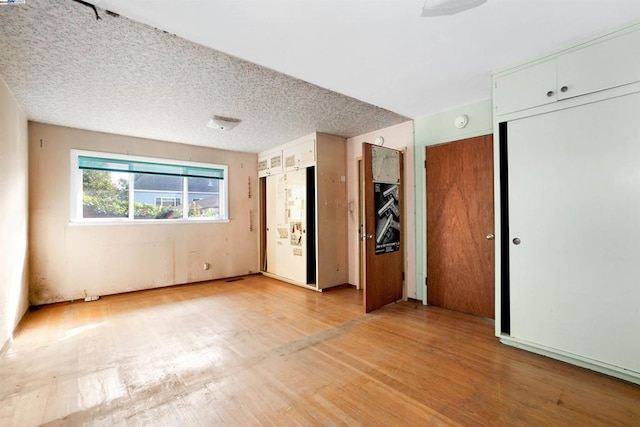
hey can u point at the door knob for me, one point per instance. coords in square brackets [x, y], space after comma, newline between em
[490, 236]
[516, 241]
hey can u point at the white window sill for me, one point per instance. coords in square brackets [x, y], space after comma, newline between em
[82, 223]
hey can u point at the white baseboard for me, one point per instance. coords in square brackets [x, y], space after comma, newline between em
[584, 362]
[293, 282]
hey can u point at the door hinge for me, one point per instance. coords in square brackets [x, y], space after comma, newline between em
[425, 281]
[425, 164]
[403, 276]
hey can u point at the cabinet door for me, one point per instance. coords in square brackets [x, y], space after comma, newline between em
[290, 159]
[275, 162]
[307, 154]
[610, 63]
[269, 163]
[527, 88]
[263, 166]
[299, 156]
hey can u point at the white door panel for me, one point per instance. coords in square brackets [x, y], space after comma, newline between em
[286, 225]
[574, 202]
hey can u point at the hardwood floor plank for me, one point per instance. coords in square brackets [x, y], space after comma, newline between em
[260, 352]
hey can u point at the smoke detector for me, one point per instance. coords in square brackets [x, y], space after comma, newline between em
[223, 123]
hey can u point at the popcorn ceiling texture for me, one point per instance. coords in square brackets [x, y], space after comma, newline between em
[119, 76]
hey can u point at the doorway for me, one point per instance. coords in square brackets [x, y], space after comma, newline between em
[460, 226]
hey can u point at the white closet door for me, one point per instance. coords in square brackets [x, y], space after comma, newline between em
[286, 225]
[574, 203]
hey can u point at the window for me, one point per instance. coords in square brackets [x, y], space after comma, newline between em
[111, 187]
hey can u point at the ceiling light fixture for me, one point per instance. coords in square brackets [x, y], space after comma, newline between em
[223, 123]
[448, 7]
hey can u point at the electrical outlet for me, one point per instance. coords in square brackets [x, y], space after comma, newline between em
[206, 266]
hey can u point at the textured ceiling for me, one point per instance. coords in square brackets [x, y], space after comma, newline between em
[119, 76]
[382, 51]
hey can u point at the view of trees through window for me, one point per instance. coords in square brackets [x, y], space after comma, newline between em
[106, 195]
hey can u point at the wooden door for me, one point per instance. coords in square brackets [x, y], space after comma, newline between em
[460, 226]
[383, 247]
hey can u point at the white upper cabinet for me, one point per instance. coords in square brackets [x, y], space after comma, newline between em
[610, 63]
[526, 88]
[263, 166]
[269, 163]
[293, 156]
[598, 65]
[300, 155]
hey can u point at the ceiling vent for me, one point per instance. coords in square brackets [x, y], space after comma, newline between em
[223, 123]
[448, 7]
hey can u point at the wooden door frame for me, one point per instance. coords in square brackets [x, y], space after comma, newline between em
[362, 253]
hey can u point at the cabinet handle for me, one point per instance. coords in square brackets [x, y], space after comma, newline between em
[563, 89]
[550, 93]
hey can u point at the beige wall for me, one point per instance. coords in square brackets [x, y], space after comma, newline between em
[14, 219]
[69, 260]
[399, 137]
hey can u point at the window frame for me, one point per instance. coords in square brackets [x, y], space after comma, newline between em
[76, 199]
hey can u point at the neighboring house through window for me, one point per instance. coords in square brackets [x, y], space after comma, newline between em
[120, 188]
[168, 201]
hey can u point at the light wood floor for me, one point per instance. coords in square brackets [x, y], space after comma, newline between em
[259, 352]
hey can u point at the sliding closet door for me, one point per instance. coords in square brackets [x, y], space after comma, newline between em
[574, 230]
[287, 225]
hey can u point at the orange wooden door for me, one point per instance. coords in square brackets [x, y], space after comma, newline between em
[383, 246]
[460, 226]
